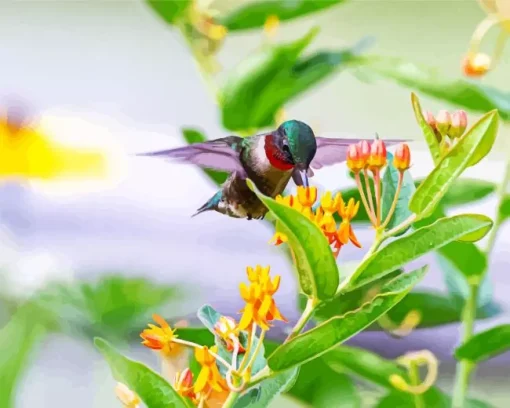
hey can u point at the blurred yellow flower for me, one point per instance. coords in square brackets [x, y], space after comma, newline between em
[209, 378]
[27, 153]
[271, 26]
[183, 384]
[323, 216]
[260, 306]
[475, 63]
[127, 397]
[226, 329]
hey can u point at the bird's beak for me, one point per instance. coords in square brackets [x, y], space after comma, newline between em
[304, 177]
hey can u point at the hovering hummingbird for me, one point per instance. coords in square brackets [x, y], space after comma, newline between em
[270, 160]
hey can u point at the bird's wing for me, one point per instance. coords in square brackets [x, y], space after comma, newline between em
[220, 154]
[332, 150]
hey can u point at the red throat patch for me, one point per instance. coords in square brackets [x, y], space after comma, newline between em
[275, 157]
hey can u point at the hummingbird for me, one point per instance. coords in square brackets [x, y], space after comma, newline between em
[269, 159]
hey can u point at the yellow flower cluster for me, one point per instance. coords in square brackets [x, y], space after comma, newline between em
[323, 216]
[260, 306]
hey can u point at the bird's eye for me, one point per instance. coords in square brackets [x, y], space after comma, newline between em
[285, 148]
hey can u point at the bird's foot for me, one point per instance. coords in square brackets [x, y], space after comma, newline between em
[249, 217]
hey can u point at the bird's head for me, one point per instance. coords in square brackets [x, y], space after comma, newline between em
[297, 143]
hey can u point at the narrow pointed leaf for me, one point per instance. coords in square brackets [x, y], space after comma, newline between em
[390, 183]
[469, 150]
[467, 190]
[400, 252]
[314, 260]
[153, 389]
[468, 94]
[195, 136]
[428, 132]
[329, 334]
[504, 209]
[485, 345]
[254, 15]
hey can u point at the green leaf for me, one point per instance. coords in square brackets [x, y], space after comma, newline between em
[18, 338]
[390, 183]
[113, 306]
[435, 399]
[504, 209]
[428, 132]
[169, 10]
[208, 316]
[467, 190]
[153, 390]
[314, 260]
[421, 241]
[268, 390]
[254, 15]
[319, 386]
[195, 136]
[327, 335]
[485, 345]
[269, 78]
[468, 151]
[465, 93]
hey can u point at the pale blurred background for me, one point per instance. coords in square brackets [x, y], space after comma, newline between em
[113, 69]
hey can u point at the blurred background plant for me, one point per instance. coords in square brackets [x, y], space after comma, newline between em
[256, 92]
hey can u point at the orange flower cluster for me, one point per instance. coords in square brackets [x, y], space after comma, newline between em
[323, 216]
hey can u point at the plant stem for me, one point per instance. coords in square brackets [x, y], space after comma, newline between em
[371, 215]
[414, 376]
[256, 351]
[305, 317]
[231, 399]
[377, 186]
[464, 367]
[246, 356]
[395, 200]
[369, 191]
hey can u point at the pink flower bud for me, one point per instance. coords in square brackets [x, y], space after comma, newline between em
[443, 122]
[355, 160]
[402, 157]
[377, 154]
[364, 148]
[429, 117]
[459, 124]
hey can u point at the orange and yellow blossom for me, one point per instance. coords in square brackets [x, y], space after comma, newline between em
[260, 306]
[183, 384]
[161, 338]
[226, 329]
[28, 153]
[475, 63]
[323, 216]
[209, 378]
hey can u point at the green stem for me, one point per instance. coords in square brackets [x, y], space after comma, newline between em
[414, 376]
[395, 200]
[231, 399]
[311, 304]
[256, 351]
[464, 367]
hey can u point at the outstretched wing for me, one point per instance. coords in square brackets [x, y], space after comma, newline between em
[331, 150]
[220, 154]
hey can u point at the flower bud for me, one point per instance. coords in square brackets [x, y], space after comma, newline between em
[476, 65]
[364, 147]
[127, 397]
[443, 122]
[355, 160]
[459, 124]
[402, 157]
[377, 155]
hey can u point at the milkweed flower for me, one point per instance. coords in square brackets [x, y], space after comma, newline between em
[322, 216]
[475, 63]
[209, 378]
[226, 329]
[183, 384]
[28, 153]
[161, 338]
[260, 306]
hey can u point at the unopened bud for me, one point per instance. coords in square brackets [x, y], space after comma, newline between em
[476, 65]
[364, 147]
[355, 160]
[443, 122]
[459, 124]
[402, 157]
[377, 154]
[128, 398]
[429, 117]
